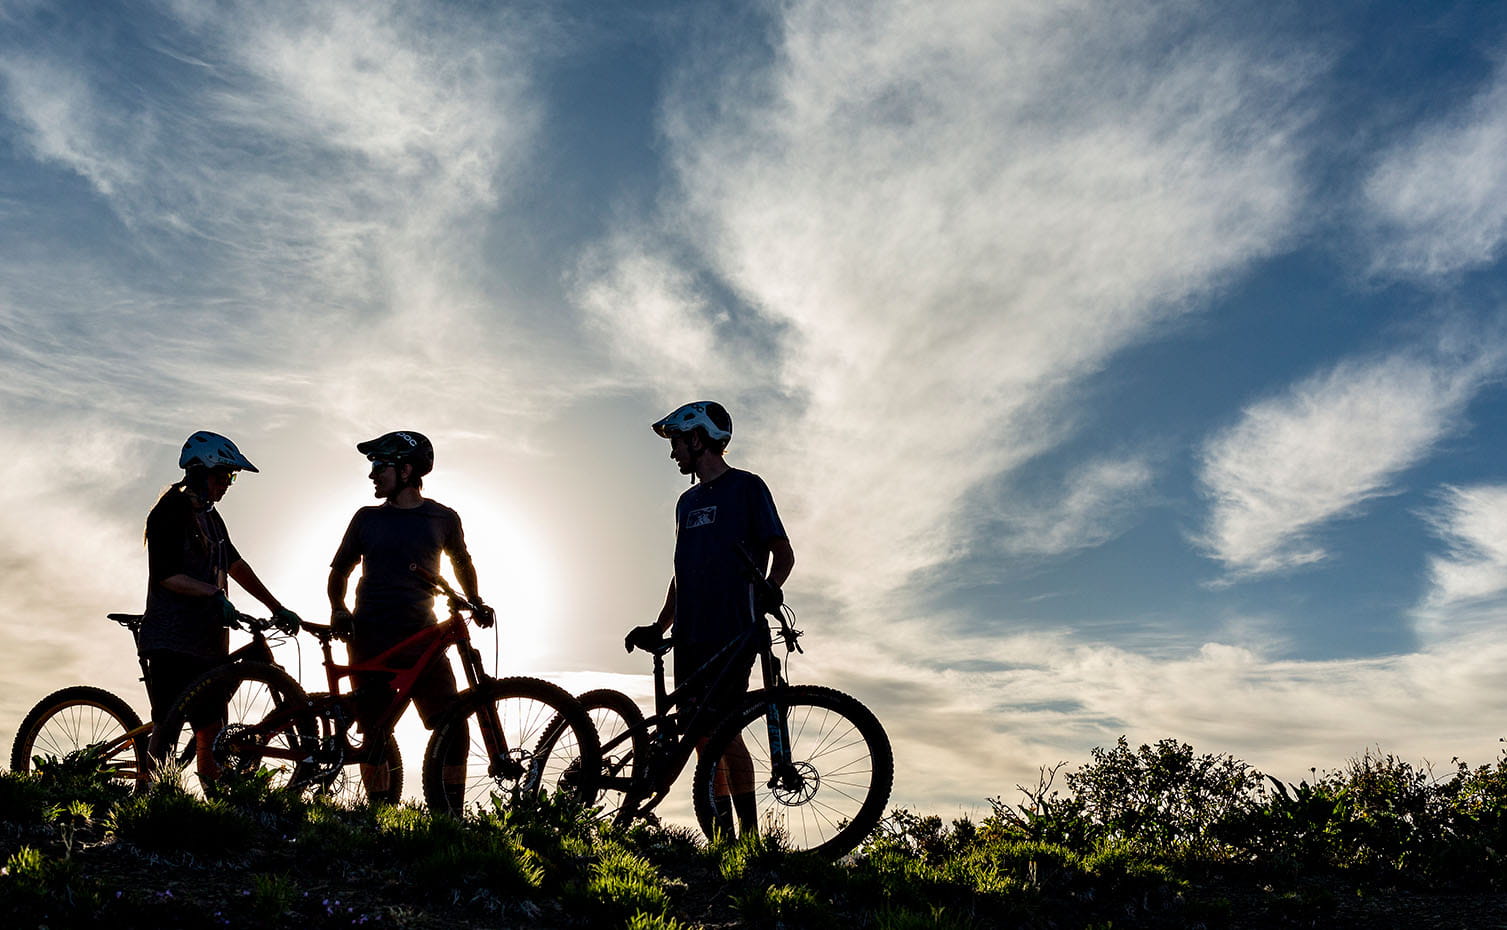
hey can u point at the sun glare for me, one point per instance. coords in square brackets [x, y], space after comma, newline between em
[515, 575]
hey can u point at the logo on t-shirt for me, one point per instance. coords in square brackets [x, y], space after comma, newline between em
[705, 516]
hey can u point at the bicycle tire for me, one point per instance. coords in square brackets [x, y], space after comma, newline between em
[249, 694]
[77, 717]
[526, 708]
[624, 742]
[844, 769]
[346, 787]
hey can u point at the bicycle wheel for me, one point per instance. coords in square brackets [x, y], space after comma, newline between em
[837, 781]
[345, 786]
[624, 741]
[78, 718]
[461, 774]
[260, 719]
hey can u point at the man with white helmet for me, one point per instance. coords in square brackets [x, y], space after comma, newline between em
[725, 520]
[392, 601]
[184, 631]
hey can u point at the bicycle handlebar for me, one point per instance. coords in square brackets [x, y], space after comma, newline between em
[441, 586]
[255, 624]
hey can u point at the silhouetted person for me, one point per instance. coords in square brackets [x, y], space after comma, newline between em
[392, 601]
[185, 631]
[727, 517]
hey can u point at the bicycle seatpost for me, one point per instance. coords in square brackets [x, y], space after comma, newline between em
[661, 696]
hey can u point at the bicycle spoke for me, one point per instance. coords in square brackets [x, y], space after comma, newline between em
[825, 792]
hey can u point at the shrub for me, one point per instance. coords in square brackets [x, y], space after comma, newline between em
[271, 896]
[1047, 815]
[36, 890]
[624, 883]
[796, 905]
[165, 819]
[1163, 798]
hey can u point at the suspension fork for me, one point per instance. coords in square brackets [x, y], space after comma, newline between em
[782, 768]
[500, 761]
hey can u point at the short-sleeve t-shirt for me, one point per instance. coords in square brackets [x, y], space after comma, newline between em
[385, 540]
[712, 520]
[183, 541]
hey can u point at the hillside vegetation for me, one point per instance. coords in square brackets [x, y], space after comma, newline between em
[1155, 836]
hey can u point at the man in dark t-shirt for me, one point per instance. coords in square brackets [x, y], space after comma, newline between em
[722, 522]
[392, 601]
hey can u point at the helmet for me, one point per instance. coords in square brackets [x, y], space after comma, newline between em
[403, 446]
[707, 415]
[211, 450]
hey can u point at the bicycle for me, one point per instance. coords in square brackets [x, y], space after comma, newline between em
[82, 718]
[823, 766]
[478, 752]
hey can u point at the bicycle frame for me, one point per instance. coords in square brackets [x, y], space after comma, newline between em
[666, 762]
[433, 640]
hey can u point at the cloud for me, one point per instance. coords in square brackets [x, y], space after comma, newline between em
[1320, 450]
[315, 186]
[941, 217]
[249, 217]
[1095, 505]
[982, 713]
[1468, 585]
[1438, 199]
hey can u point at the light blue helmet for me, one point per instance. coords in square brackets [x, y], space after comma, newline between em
[706, 415]
[212, 450]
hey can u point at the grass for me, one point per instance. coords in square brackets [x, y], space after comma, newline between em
[1154, 836]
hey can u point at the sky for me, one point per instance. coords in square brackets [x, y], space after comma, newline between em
[1118, 368]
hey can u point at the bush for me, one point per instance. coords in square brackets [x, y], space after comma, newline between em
[623, 883]
[1163, 798]
[36, 890]
[167, 820]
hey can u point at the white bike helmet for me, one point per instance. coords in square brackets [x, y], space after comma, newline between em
[212, 450]
[707, 415]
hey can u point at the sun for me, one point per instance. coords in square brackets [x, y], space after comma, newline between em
[516, 576]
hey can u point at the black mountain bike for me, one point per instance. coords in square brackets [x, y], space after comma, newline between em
[82, 718]
[822, 764]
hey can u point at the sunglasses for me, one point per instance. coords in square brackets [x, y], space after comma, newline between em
[224, 474]
[379, 464]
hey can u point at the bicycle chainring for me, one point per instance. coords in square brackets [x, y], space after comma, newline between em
[237, 751]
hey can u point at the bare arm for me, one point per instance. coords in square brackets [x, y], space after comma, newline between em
[335, 588]
[247, 579]
[189, 587]
[465, 573]
[667, 612]
[781, 563]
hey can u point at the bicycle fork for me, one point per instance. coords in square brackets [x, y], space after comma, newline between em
[783, 773]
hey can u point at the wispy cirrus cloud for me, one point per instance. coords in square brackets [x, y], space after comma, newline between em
[1097, 502]
[318, 183]
[940, 218]
[1468, 584]
[273, 228]
[1438, 198]
[1322, 448]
